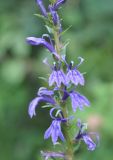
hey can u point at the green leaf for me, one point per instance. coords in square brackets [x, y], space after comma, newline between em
[43, 78]
[76, 148]
[63, 50]
[66, 30]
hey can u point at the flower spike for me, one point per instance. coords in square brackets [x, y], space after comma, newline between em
[63, 81]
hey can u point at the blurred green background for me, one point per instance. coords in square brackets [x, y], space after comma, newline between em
[91, 36]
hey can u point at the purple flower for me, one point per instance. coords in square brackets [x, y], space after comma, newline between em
[58, 4]
[57, 76]
[74, 76]
[48, 155]
[42, 8]
[83, 135]
[43, 96]
[43, 42]
[54, 14]
[55, 17]
[89, 142]
[54, 131]
[78, 100]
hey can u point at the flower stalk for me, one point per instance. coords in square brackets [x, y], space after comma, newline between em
[57, 42]
[69, 148]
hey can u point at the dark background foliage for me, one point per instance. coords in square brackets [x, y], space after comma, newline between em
[90, 36]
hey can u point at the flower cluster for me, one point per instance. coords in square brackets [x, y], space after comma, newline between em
[62, 83]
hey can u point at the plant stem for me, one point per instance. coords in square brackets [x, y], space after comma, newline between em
[57, 42]
[69, 147]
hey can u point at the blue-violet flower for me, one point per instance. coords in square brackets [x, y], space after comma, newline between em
[78, 100]
[83, 135]
[57, 76]
[43, 42]
[44, 95]
[54, 131]
[74, 76]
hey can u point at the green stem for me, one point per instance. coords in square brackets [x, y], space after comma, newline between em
[57, 42]
[69, 147]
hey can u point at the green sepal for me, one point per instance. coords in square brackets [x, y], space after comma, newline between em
[63, 49]
[41, 16]
[84, 127]
[49, 29]
[43, 78]
[57, 113]
[76, 148]
[47, 106]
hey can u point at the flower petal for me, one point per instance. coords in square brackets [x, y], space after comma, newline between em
[62, 77]
[35, 102]
[75, 77]
[32, 106]
[78, 100]
[48, 133]
[83, 135]
[90, 144]
[42, 8]
[83, 100]
[61, 136]
[58, 4]
[52, 78]
[57, 77]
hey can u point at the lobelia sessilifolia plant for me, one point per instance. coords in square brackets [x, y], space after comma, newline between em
[62, 85]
